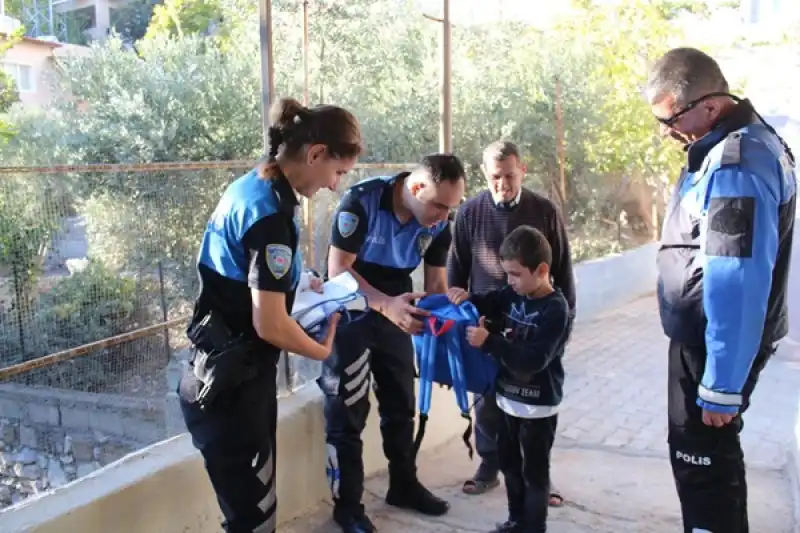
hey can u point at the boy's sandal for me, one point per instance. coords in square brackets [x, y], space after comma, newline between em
[479, 486]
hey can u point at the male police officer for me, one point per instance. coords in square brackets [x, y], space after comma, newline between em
[723, 268]
[384, 228]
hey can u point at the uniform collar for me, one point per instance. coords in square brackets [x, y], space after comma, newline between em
[287, 197]
[387, 195]
[740, 116]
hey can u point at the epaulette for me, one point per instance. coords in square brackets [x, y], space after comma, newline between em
[370, 184]
[732, 149]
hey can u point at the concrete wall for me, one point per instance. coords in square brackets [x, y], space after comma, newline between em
[613, 280]
[49, 437]
[143, 491]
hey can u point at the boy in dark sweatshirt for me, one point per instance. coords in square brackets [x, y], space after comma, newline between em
[524, 326]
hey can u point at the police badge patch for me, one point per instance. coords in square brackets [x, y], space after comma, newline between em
[347, 223]
[279, 259]
[423, 241]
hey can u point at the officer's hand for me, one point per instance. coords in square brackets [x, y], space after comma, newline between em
[717, 420]
[476, 335]
[315, 284]
[405, 315]
[457, 295]
[333, 322]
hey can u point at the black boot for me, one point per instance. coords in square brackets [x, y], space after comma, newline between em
[409, 493]
[353, 521]
[507, 527]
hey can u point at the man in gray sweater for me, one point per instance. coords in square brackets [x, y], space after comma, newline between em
[474, 265]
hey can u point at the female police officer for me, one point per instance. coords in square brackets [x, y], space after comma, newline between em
[249, 268]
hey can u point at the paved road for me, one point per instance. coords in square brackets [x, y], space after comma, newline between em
[611, 456]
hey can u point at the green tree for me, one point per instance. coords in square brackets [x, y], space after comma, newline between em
[184, 17]
[189, 98]
[8, 89]
[132, 19]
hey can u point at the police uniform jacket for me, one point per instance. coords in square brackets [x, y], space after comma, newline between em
[725, 247]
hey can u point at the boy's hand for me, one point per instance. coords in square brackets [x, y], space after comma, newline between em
[476, 335]
[457, 295]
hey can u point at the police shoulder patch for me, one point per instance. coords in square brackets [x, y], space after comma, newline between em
[347, 223]
[279, 259]
[423, 241]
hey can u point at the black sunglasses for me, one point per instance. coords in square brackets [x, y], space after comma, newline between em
[669, 122]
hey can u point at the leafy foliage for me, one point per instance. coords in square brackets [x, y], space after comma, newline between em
[93, 304]
[183, 17]
[8, 89]
[181, 96]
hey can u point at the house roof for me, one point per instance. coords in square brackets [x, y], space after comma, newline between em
[33, 40]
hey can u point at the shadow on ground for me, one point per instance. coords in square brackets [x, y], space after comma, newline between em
[605, 491]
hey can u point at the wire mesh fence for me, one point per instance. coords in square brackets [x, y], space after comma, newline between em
[97, 281]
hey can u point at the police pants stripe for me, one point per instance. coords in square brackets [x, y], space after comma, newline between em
[707, 462]
[365, 351]
[236, 436]
[356, 378]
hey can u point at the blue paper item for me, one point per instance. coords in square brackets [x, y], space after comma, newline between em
[445, 357]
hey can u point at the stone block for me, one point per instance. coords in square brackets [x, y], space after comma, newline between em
[82, 448]
[107, 422]
[9, 433]
[10, 408]
[144, 432]
[44, 414]
[73, 418]
[28, 437]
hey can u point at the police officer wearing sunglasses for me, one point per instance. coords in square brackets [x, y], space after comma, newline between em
[723, 269]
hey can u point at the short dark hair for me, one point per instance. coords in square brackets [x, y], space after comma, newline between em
[685, 74]
[500, 150]
[528, 246]
[443, 167]
[294, 126]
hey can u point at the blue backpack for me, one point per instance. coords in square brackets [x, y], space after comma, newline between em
[445, 357]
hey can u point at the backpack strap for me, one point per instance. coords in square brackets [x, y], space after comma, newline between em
[458, 373]
[427, 363]
[460, 386]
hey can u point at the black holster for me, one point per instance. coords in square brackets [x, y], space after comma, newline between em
[221, 360]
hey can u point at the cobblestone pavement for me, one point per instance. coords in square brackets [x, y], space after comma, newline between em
[611, 460]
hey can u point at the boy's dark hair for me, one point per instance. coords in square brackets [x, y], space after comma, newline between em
[528, 246]
[443, 167]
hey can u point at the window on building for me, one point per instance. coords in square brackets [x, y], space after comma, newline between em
[22, 76]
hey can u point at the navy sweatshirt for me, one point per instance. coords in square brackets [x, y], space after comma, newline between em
[527, 337]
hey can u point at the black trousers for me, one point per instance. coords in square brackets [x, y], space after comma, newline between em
[707, 462]
[524, 446]
[236, 437]
[369, 344]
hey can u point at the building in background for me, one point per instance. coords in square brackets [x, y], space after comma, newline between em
[70, 21]
[31, 63]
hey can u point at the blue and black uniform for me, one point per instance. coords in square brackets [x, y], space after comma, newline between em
[527, 337]
[723, 270]
[369, 345]
[250, 242]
